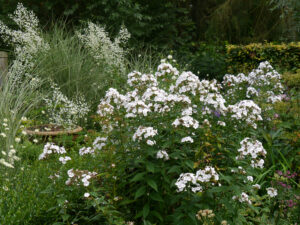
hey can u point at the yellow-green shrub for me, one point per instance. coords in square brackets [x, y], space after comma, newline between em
[292, 80]
[244, 58]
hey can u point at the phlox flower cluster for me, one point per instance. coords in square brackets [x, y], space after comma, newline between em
[272, 192]
[138, 80]
[51, 148]
[187, 82]
[27, 41]
[86, 151]
[263, 82]
[99, 143]
[168, 102]
[215, 101]
[65, 159]
[246, 111]
[192, 181]
[254, 149]
[77, 177]
[186, 121]
[194, 102]
[162, 155]
[145, 133]
[243, 198]
[102, 48]
[187, 139]
[165, 69]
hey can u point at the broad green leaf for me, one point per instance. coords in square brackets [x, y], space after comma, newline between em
[152, 184]
[174, 169]
[150, 167]
[140, 192]
[146, 210]
[138, 177]
[157, 214]
[156, 197]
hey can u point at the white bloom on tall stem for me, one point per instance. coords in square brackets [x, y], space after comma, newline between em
[98, 42]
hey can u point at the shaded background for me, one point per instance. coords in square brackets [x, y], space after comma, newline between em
[174, 23]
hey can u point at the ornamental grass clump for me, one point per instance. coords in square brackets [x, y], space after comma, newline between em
[28, 44]
[16, 100]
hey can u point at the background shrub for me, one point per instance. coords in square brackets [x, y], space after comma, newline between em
[246, 57]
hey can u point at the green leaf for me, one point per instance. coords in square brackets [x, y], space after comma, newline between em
[65, 217]
[138, 177]
[152, 184]
[157, 214]
[126, 202]
[140, 192]
[156, 197]
[150, 167]
[146, 210]
[175, 169]
[146, 222]
[190, 164]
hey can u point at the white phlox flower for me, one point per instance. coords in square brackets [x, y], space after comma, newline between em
[272, 192]
[87, 150]
[139, 80]
[186, 83]
[51, 148]
[215, 101]
[186, 121]
[98, 143]
[145, 133]
[254, 149]
[165, 69]
[192, 181]
[78, 177]
[162, 155]
[187, 139]
[243, 198]
[65, 159]
[246, 111]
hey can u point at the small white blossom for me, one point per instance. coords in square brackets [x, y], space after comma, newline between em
[250, 178]
[162, 155]
[64, 160]
[272, 192]
[51, 148]
[190, 180]
[187, 139]
[256, 186]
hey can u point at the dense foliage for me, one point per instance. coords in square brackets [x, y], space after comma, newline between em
[176, 23]
[159, 144]
[247, 57]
